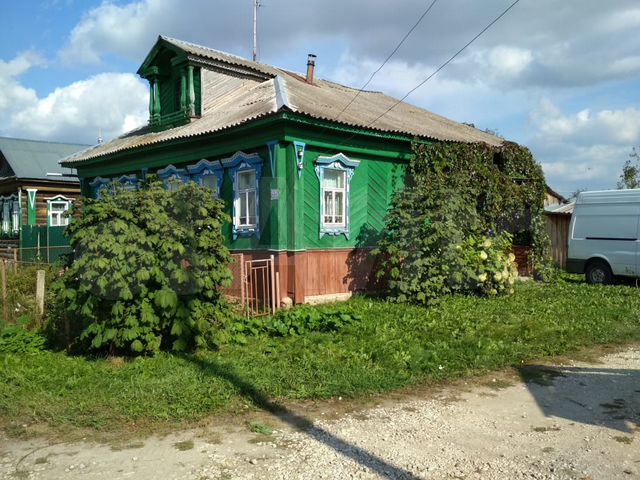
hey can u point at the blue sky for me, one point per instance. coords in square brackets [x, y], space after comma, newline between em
[562, 78]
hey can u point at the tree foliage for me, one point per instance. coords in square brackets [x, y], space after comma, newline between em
[146, 270]
[450, 230]
[630, 176]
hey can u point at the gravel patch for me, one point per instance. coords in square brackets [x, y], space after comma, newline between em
[572, 421]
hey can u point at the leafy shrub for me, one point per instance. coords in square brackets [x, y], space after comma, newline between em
[17, 339]
[146, 271]
[286, 323]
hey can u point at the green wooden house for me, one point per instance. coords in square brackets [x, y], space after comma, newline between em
[307, 167]
[35, 193]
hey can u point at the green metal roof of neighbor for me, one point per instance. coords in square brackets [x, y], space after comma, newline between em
[35, 159]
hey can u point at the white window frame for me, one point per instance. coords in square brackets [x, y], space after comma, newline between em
[15, 215]
[245, 192]
[333, 191]
[344, 164]
[6, 216]
[62, 218]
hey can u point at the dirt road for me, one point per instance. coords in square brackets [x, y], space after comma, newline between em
[573, 420]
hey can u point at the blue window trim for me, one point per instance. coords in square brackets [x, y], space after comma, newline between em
[336, 162]
[129, 182]
[171, 171]
[205, 168]
[98, 185]
[241, 162]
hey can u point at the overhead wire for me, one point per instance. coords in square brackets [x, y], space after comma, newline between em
[424, 14]
[435, 72]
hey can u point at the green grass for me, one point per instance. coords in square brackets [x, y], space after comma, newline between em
[392, 346]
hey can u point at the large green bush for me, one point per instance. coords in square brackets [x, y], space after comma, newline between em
[146, 270]
[462, 202]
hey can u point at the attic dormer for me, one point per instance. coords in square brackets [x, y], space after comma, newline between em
[174, 86]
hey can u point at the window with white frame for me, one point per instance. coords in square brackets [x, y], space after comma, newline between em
[334, 174]
[334, 191]
[57, 213]
[15, 216]
[246, 212]
[5, 216]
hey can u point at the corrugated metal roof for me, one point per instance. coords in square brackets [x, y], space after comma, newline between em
[34, 158]
[231, 100]
[556, 208]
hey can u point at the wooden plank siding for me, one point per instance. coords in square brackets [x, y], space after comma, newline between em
[558, 230]
[371, 190]
[42, 214]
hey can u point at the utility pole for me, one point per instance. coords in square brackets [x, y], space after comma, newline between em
[256, 4]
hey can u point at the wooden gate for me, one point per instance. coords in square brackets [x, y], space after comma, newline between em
[261, 287]
[255, 285]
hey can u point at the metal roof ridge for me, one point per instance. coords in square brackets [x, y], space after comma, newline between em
[282, 97]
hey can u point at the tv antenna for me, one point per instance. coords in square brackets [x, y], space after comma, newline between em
[256, 4]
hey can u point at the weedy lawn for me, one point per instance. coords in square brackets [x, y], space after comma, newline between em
[389, 347]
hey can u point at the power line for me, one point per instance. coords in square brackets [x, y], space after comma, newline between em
[424, 14]
[444, 64]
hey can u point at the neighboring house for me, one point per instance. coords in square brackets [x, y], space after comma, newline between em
[35, 193]
[552, 197]
[306, 167]
[558, 212]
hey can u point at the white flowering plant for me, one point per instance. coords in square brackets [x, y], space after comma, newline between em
[490, 265]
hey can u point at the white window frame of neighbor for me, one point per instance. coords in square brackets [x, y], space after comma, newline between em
[346, 167]
[62, 219]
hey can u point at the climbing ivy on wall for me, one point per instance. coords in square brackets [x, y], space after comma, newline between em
[459, 195]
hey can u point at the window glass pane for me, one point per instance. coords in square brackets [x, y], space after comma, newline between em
[333, 178]
[328, 206]
[243, 209]
[251, 214]
[211, 181]
[54, 220]
[339, 205]
[246, 179]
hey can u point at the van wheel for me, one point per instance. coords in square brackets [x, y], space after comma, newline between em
[598, 273]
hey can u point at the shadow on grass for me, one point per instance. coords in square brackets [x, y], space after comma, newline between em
[258, 398]
[594, 396]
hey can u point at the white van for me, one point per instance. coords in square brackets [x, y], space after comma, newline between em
[603, 235]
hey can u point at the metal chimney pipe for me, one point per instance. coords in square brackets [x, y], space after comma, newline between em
[311, 63]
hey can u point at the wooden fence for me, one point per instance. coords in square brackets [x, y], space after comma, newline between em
[558, 230]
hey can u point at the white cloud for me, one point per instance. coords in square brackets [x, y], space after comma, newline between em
[14, 96]
[621, 127]
[545, 42]
[584, 148]
[110, 102]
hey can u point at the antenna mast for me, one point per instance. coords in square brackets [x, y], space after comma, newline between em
[256, 4]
